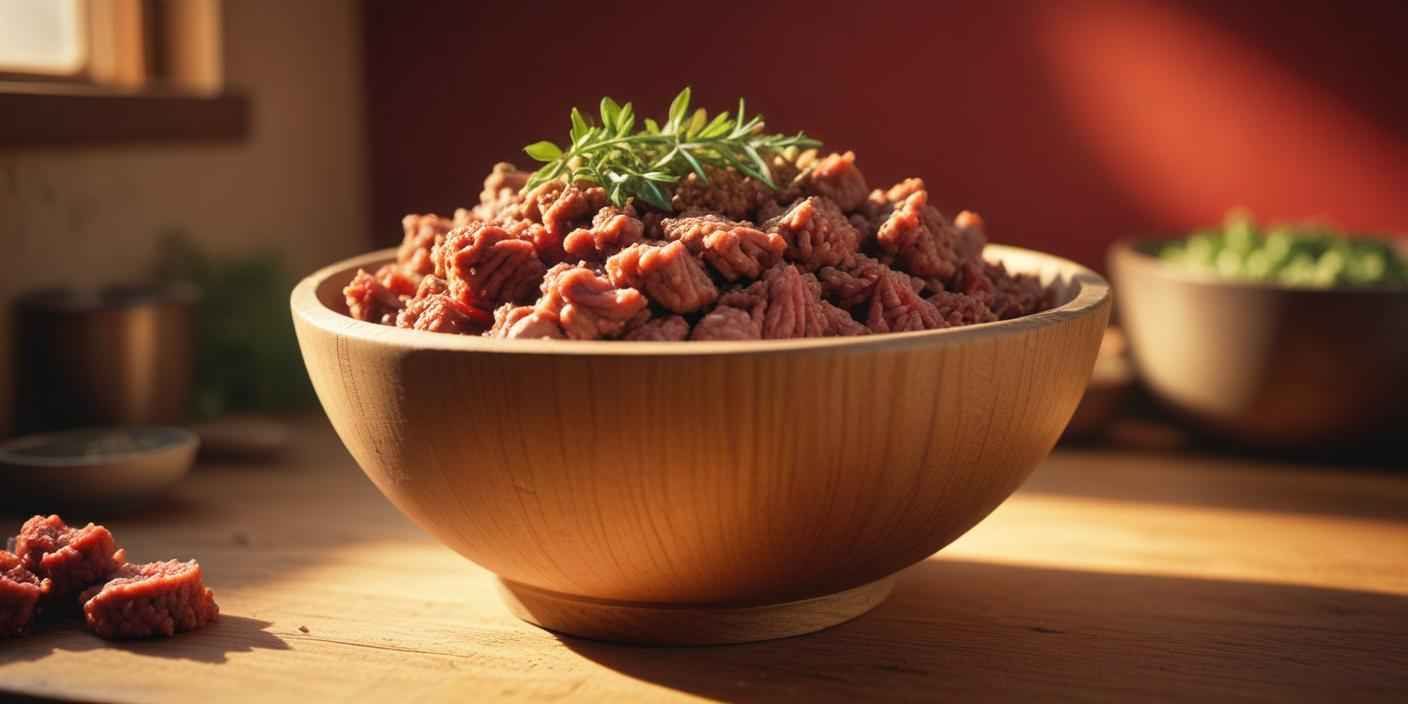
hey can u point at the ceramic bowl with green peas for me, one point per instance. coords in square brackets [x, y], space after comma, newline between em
[1311, 256]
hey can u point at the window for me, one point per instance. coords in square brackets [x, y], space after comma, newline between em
[43, 37]
[75, 71]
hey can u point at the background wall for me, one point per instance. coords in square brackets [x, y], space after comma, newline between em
[91, 215]
[1065, 124]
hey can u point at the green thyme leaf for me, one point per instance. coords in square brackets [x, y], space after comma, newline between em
[543, 151]
[647, 164]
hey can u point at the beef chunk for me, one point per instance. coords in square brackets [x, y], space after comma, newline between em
[587, 305]
[378, 297]
[852, 285]
[817, 234]
[735, 250]
[727, 323]
[441, 312]
[561, 208]
[157, 598]
[665, 328]
[961, 309]
[20, 592]
[837, 178]
[896, 307]
[922, 242]
[1015, 295]
[487, 266]
[501, 199]
[667, 274]
[612, 230]
[512, 321]
[71, 558]
[728, 193]
[423, 232]
[784, 304]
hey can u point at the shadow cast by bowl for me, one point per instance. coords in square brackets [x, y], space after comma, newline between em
[985, 630]
[212, 644]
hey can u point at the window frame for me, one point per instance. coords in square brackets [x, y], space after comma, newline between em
[152, 73]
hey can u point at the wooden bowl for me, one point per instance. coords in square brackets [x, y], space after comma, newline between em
[1264, 364]
[697, 492]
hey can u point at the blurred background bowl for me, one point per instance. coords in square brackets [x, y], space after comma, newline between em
[701, 492]
[1264, 364]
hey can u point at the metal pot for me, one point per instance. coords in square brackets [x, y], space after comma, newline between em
[118, 356]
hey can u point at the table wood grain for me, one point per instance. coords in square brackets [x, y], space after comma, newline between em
[1111, 574]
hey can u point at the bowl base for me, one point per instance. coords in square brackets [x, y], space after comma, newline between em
[666, 624]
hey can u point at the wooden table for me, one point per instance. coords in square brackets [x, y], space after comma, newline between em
[1111, 575]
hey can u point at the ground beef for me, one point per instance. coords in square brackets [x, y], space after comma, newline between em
[961, 309]
[501, 200]
[487, 266]
[20, 592]
[896, 307]
[785, 304]
[735, 250]
[587, 305]
[423, 232]
[1015, 295]
[817, 234]
[379, 297]
[612, 230]
[665, 328]
[668, 274]
[158, 598]
[837, 178]
[922, 242]
[561, 208]
[727, 323]
[852, 285]
[441, 312]
[829, 258]
[512, 321]
[71, 558]
[728, 193]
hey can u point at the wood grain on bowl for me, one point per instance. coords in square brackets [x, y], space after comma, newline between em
[1261, 363]
[659, 476]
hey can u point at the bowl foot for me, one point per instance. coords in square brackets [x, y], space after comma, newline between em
[666, 624]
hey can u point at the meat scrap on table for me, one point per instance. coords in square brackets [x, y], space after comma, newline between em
[52, 568]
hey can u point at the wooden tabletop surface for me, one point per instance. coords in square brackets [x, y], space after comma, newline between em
[1111, 574]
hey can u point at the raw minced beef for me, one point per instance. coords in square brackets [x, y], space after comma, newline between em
[817, 233]
[155, 599]
[71, 558]
[20, 593]
[735, 250]
[666, 328]
[55, 566]
[612, 229]
[821, 254]
[667, 274]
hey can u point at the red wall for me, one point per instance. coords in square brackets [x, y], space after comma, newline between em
[1066, 125]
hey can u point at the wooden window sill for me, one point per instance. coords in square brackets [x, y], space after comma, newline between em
[57, 114]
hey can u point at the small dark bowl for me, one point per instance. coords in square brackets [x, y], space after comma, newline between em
[1265, 364]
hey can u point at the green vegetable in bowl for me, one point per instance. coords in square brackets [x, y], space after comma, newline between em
[1294, 255]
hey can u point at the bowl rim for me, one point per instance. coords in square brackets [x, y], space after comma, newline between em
[1092, 291]
[1132, 250]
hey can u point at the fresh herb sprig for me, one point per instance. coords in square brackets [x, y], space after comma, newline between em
[646, 163]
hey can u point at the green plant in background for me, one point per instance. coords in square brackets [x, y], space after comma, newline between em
[247, 358]
[1307, 255]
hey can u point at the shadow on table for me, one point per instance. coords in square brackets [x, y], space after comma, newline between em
[212, 644]
[1195, 478]
[982, 630]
